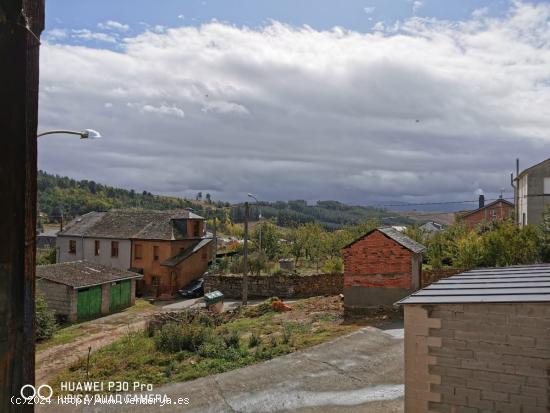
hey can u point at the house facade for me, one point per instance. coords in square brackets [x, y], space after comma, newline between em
[498, 210]
[170, 248]
[533, 193]
[380, 268]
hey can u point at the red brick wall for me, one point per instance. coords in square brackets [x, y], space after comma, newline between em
[377, 261]
[498, 212]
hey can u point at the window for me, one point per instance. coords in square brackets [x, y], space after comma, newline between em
[196, 228]
[138, 253]
[547, 186]
[174, 278]
[114, 248]
[96, 248]
[72, 246]
[156, 253]
[155, 281]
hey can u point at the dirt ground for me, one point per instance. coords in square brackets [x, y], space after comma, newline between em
[95, 334]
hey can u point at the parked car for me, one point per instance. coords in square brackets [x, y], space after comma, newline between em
[194, 289]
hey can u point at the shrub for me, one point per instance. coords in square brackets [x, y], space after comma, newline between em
[45, 319]
[232, 339]
[254, 340]
[173, 337]
[334, 265]
[46, 257]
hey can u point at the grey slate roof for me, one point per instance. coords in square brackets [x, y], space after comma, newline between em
[402, 239]
[81, 274]
[515, 284]
[397, 236]
[128, 224]
[196, 247]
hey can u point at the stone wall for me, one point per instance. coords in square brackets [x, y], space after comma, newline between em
[479, 357]
[431, 276]
[283, 286]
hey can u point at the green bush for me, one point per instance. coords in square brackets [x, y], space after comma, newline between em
[174, 337]
[334, 265]
[232, 339]
[45, 319]
[254, 340]
[46, 257]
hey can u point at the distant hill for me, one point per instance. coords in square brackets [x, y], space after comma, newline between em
[331, 214]
[60, 194]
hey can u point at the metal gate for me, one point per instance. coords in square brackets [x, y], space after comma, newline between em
[89, 303]
[120, 295]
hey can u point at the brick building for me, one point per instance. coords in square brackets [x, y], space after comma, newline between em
[480, 342]
[498, 210]
[380, 268]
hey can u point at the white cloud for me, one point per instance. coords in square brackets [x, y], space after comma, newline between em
[113, 25]
[85, 34]
[369, 10]
[291, 112]
[56, 34]
[181, 16]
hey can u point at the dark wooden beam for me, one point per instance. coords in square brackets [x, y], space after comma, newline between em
[21, 22]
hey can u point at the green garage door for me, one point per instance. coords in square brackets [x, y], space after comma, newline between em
[89, 302]
[120, 295]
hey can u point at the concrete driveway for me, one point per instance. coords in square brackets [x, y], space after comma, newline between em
[358, 373]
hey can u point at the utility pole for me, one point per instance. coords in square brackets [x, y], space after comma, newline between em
[245, 254]
[21, 23]
[215, 231]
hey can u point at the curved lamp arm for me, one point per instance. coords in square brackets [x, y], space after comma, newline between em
[85, 134]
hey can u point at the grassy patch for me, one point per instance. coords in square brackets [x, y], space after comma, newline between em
[179, 351]
[62, 336]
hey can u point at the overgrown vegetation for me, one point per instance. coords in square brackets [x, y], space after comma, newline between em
[195, 344]
[46, 325]
[46, 257]
[312, 247]
[493, 244]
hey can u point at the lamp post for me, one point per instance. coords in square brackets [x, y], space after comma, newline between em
[85, 134]
[260, 219]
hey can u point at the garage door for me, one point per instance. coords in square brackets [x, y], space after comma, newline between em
[120, 295]
[89, 302]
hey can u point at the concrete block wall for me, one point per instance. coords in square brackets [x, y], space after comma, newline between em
[282, 286]
[479, 357]
[58, 296]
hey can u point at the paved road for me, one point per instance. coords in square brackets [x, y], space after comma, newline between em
[358, 373]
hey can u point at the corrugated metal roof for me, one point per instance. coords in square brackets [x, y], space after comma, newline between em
[176, 259]
[515, 284]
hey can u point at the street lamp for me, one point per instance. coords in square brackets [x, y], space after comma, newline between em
[260, 219]
[85, 134]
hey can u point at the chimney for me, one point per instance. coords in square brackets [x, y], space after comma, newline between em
[481, 201]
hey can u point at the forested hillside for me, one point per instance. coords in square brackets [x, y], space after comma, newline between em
[57, 195]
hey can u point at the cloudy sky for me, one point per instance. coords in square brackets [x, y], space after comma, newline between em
[365, 102]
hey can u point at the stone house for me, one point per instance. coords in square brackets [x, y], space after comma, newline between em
[498, 210]
[170, 248]
[480, 342]
[81, 290]
[533, 193]
[380, 268]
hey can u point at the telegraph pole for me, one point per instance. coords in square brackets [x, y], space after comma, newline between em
[21, 23]
[245, 255]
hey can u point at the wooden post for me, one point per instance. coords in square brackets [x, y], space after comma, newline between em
[21, 22]
[245, 255]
